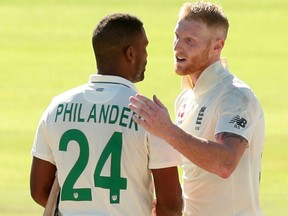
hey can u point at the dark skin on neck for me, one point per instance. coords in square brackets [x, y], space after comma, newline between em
[120, 63]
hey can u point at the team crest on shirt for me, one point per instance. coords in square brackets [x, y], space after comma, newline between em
[181, 113]
[185, 109]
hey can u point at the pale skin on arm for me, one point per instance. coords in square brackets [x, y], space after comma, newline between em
[220, 157]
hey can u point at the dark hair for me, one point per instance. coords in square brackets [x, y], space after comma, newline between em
[115, 32]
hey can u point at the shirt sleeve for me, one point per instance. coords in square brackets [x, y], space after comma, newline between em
[41, 148]
[161, 154]
[237, 114]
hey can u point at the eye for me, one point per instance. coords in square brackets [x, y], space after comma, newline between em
[189, 40]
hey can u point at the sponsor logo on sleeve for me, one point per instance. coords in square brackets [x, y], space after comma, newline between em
[238, 122]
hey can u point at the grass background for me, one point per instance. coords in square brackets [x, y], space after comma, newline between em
[45, 49]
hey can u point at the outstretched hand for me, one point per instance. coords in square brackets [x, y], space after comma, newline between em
[153, 115]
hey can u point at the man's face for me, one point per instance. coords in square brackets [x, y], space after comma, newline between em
[141, 57]
[192, 47]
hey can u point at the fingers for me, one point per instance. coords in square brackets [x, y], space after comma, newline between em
[149, 103]
[147, 109]
[152, 115]
[139, 107]
[140, 121]
[158, 102]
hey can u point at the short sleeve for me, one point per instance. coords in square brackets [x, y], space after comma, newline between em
[161, 154]
[237, 114]
[41, 148]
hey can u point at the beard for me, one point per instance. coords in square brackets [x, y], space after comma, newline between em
[181, 70]
[186, 68]
[139, 76]
[194, 65]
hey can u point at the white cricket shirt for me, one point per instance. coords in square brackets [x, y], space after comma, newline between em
[220, 102]
[102, 156]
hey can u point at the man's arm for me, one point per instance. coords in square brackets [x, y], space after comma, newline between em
[220, 158]
[168, 192]
[51, 204]
[41, 180]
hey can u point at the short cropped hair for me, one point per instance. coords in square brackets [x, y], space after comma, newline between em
[209, 13]
[115, 32]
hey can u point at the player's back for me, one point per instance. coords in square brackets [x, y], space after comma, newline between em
[101, 154]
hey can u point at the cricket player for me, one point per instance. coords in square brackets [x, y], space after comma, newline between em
[219, 126]
[106, 163]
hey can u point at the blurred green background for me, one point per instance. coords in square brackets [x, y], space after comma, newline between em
[45, 49]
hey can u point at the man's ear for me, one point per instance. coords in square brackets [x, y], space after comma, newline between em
[219, 44]
[130, 53]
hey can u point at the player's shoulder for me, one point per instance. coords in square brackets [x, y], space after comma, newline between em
[67, 95]
[238, 94]
[237, 88]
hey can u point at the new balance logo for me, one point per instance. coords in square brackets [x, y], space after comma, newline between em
[200, 118]
[238, 122]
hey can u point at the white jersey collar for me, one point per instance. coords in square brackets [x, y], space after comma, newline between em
[94, 78]
[208, 78]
